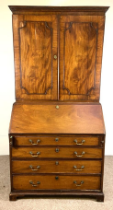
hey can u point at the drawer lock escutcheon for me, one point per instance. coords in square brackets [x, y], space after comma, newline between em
[57, 150]
[56, 139]
[34, 169]
[56, 177]
[83, 153]
[83, 141]
[55, 57]
[34, 185]
[57, 163]
[31, 141]
[78, 169]
[78, 185]
[33, 155]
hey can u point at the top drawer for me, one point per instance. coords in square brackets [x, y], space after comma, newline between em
[74, 140]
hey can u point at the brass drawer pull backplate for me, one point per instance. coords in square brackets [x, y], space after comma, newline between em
[34, 169]
[31, 141]
[33, 155]
[83, 141]
[78, 185]
[83, 153]
[78, 169]
[34, 185]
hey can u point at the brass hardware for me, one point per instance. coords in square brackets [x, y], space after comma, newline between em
[79, 143]
[56, 177]
[57, 107]
[57, 150]
[31, 153]
[102, 142]
[55, 57]
[31, 141]
[10, 142]
[56, 139]
[57, 163]
[78, 169]
[79, 155]
[78, 185]
[34, 169]
[34, 185]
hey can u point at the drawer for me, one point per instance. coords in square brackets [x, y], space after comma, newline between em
[57, 140]
[59, 166]
[56, 152]
[55, 182]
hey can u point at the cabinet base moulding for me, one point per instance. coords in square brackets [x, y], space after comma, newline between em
[13, 196]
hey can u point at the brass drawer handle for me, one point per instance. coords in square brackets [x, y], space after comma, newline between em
[34, 169]
[33, 155]
[31, 141]
[78, 169]
[78, 185]
[79, 155]
[79, 143]
[34, 185]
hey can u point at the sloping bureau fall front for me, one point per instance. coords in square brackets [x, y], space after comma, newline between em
[57, 133]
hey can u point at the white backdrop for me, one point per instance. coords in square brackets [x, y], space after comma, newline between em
[7, 83]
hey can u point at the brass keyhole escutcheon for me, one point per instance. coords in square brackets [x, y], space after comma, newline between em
[57, 163]
[57, 107]
[56, 139]
[57, 150]
[55, 57]
[56, 177]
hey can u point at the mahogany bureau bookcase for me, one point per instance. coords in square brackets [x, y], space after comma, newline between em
[57, 132]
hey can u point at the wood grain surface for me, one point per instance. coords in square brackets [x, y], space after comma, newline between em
[77, 41]
[81, 44]
[56, 152]
[74, 140]
[35, 43]
[68, 119]
[50, 182]
[58, 166]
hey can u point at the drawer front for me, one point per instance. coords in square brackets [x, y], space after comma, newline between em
[59, 166]
[56, 140]
[55, 182]
[56, 152]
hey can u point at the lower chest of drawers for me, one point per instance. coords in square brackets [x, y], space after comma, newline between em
[56, 163]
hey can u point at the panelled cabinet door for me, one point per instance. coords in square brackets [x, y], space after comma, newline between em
[81, 42]
[35, 44]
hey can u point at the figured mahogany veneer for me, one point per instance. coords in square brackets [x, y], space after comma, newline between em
[56, 152]
[57, 132]
[56, 182]
[67, 119]
[72, 140]
[58, 52]
[54, 166]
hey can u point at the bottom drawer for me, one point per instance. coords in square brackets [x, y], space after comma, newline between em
[55, 182]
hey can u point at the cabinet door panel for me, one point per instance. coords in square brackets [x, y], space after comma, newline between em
[37, 68]
[81, 39]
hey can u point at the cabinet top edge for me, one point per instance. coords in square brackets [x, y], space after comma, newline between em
[57, 8]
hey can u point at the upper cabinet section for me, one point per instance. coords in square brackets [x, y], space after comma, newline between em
[58, 52]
